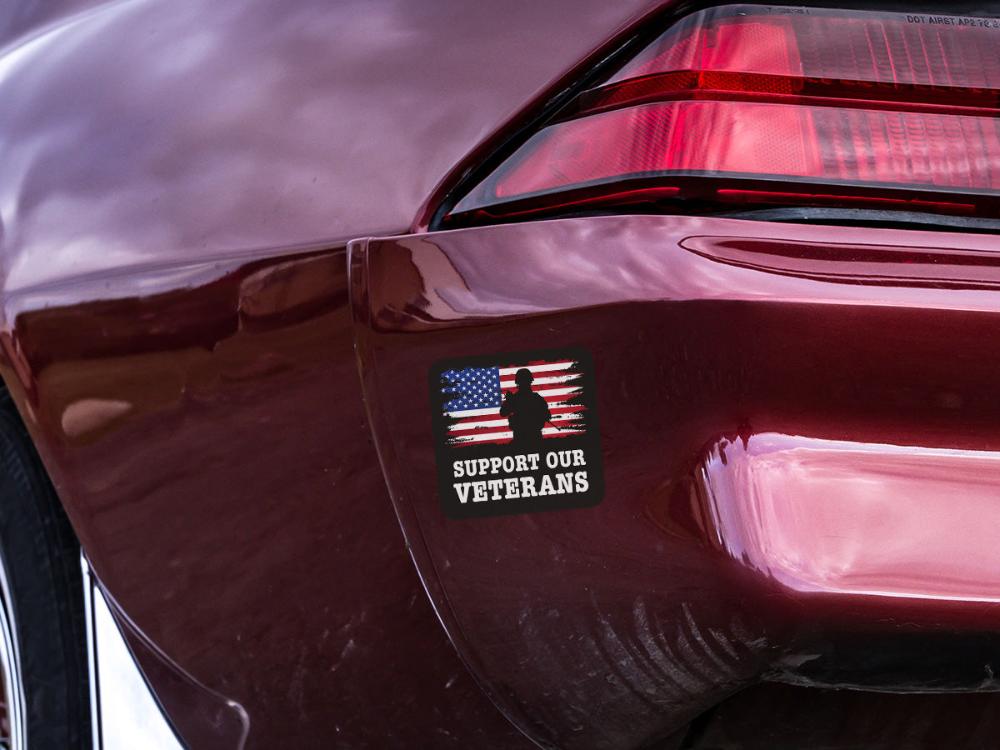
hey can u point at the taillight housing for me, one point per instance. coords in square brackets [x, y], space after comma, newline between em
[763, 105]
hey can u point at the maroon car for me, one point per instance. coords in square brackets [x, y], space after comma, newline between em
[571, 374]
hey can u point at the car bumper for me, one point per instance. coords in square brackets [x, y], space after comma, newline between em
[798, 432]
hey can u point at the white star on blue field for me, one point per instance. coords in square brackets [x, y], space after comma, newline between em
[472, 388]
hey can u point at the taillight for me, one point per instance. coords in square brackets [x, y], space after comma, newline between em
[754, 104]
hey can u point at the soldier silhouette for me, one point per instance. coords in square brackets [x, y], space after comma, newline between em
[526, 411]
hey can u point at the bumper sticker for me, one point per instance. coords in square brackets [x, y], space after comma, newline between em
[516, 433]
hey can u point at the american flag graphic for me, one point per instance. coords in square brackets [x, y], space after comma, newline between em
[474, 395]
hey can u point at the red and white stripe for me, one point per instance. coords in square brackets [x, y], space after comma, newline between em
[553, 381]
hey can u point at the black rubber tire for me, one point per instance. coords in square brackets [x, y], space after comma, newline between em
[42, 558]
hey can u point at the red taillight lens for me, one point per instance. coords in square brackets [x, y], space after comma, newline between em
[759, 104]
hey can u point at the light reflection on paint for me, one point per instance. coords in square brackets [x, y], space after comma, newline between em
[860, 518]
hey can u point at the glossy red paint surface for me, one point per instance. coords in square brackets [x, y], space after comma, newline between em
[153, 133]
[748, 376]
[179, 181]
[222, 480]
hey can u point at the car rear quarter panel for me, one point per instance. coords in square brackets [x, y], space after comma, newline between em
[179, 182]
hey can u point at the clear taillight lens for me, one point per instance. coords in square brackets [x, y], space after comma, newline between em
[759, 104]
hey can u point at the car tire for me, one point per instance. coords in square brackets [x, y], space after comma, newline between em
[42, 598]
